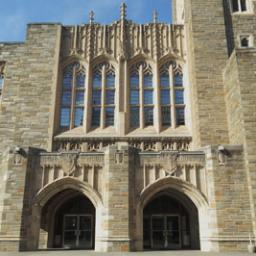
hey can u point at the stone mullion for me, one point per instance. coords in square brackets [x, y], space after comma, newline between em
[103, 98]
[157, 104]
[73, 100]
[87, 100]
[172, 95]
[141, 89]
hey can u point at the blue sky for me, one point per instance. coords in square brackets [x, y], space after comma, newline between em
[15, 14]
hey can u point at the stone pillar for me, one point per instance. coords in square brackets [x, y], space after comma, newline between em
[116, 199]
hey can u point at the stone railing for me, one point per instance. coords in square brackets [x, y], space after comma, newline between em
[142, 144]
[188, 166]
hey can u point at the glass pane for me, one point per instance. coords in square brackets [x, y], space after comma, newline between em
[180, 116]
[1, 82]
[148, 81]
[96, 116]
[70, 239]
[134, 81]
[165, 97]
[85, 223]
[110, 97]
[97, 81]
[148, 97]
[65, 117]
[173, 237]
[68, 79]
[148, 116]
[235, 5]
[66, 98]
[164, 80]
[79, 115]
[96, 97]
[110, 112]
[79, 98]
[110, 81]
[158, 239]
[70, 223]
[243, 5]
[80, 80]
[135, 117]
[179, 97]
[166, 116]
[135, 97]
[158, 223]
[172, 223]
[85, 239]
[178, 80]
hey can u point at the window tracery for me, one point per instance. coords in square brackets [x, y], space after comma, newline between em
[72, 101]
[141, 95]
[103, 96]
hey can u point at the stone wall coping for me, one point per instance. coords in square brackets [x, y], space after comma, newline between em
[71, 153]
[44, 23]
[186, 153]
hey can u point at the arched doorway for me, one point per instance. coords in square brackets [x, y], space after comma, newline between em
[170, 222]
[68, 221]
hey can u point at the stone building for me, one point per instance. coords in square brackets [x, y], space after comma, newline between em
[128, 137]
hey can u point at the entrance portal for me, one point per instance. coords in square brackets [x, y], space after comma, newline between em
[169, 225]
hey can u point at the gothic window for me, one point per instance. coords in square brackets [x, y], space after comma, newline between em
[245, 41]
[103, 96]
[172, 95]
[239, 5]
[72, 101]
[2, 65]
[141, 96]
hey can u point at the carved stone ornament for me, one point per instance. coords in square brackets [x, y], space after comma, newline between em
[170, 162]
[69, 164]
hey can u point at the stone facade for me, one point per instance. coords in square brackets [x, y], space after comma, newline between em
[171, 182]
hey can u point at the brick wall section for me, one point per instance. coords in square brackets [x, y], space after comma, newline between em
[207, 44]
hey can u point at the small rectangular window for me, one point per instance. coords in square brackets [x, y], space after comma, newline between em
[166, 116]
[179, 97]
[243, 5]
[96, 97]
[65, 117]
[134, 97]
[135, 117]
[180, 116]
[148, 97]
[96, 116]
[148, 116]
[110, 116]
[235, 6]
[110, 97]
[79, 116]
[165, 97]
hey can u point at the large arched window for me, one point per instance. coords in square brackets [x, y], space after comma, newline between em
[72, 101]
[103, 96]
[172, 95]
[141, 96]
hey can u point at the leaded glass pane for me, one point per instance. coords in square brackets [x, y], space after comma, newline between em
[178, 80]
[179, 97]
[134, 97]
[148, 81]
[110, 81]
[148, 97]
[96, 97]
[79, 98]
[134, 81]
[148, 116]
[66, 98]
[80, 80]
[65, 117]
[67, 80]
[1, 82]
[110, 97]
[135, 117]
[164, 80]
[96, 116]
[110, 113]
[79, 116]
[166, 116]
[97, 81]
[165, 97]
[180, 116]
